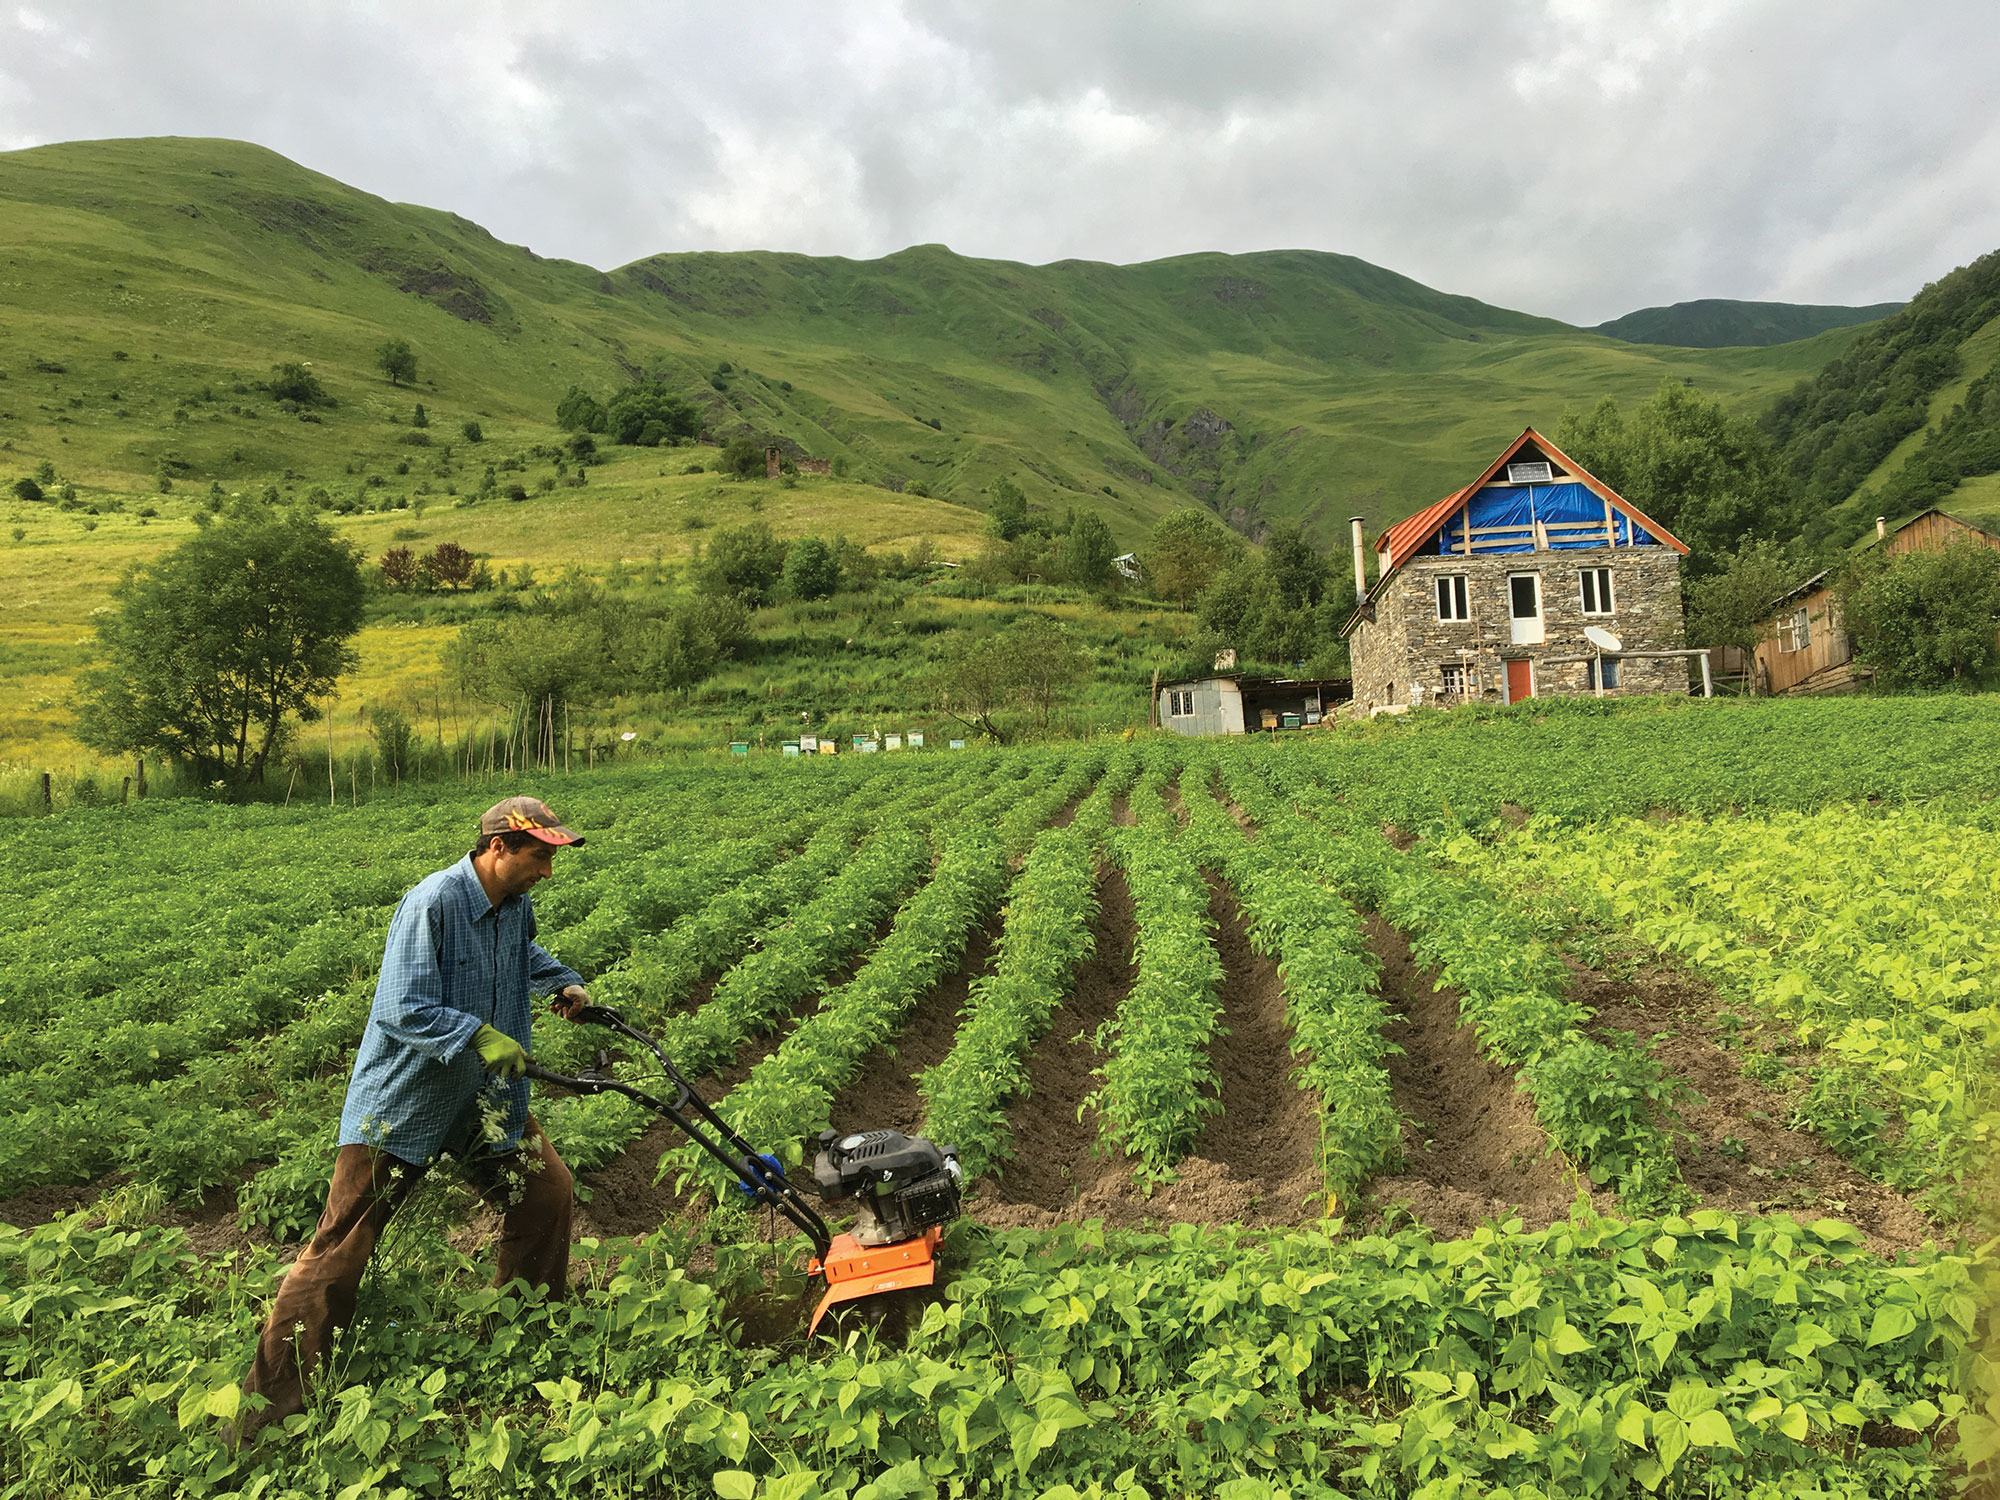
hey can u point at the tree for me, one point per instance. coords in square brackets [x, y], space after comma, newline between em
[446, 566]
[210, 650]
[579, 411]
[1009, 516]
[294, 382]
[648, 415]
[697, 634]
[1187, 550]
[399, 568]
[743, 563]
[1708, 477]
[1733, 606]
[419, 417]
[1926, 619]
[743, 459]
[972, 678]
[398, 361]
[571, 645]
[1087, 551]
[811, 569]
[1041, 661]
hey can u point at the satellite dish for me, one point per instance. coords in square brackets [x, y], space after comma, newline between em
[1602, 639]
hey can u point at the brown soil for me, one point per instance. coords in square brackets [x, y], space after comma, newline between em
[210, 1223]
[883, 1094]
[624, 1199]
[1472, 1150]
[1779, 1169]
[1055, 1160]
[1400, 837]
[1121, 813]
[1253, 1164]
[1171, 795]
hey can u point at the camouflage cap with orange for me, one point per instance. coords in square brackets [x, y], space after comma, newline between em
[526, 815]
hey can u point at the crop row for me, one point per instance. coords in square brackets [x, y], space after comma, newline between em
[1046, 933]
[1604, 1105]
[1866, 933]
[788, 1096]
[1331, 1002]
[1692, 1356]
[588, 1131]
[1159, 1084]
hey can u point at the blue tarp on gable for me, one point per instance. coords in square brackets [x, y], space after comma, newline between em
[1522, 505]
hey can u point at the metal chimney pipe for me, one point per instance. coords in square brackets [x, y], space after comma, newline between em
[1881, 528]
[1360, 560]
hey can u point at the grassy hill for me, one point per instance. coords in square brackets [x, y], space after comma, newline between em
[1719, 323]
[153, 277]
[147, 287]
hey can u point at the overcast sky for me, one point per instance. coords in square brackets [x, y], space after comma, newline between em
[1577, 158]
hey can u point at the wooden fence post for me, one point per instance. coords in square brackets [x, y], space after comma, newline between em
[48, 794]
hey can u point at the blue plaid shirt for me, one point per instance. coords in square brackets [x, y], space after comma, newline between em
[453, 963]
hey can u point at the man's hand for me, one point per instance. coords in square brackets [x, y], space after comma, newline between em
[500, 1052]
[570, 999]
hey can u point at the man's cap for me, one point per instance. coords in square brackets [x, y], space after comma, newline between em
[526, 815]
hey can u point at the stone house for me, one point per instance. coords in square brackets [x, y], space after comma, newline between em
[1487, 595]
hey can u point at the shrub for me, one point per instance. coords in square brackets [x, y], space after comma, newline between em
[419, 417]
[471, 432]
[294, 382]
[517, 492]
[26, 489]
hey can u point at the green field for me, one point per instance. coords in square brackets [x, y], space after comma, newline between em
[1578, 1101]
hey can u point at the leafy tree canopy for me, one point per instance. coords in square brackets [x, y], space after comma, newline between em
[811, 569]
[1087, 551]
[1708, 477]
[1732, 606]
[294, 382]
[743, 563]
[1927, 619]
[648, 415]
[398, 361]
[212, 648]
[1188, 549]
[579, 411]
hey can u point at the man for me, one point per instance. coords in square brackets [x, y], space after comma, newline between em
[439, 1073]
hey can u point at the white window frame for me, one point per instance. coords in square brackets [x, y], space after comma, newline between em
[1613, 677]
[1457, 678]
[1457, 590]
[1180, 704]
[1795, 634]
[1606, 591]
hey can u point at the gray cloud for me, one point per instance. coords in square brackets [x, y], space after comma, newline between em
[1572, 157]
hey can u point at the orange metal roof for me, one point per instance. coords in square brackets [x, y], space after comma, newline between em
[1401, 540]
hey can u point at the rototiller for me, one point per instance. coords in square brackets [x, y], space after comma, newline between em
[905, 1188]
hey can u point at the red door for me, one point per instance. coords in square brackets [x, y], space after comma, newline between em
[1520, 680]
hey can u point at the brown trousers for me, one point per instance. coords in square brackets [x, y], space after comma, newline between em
[317, 1296]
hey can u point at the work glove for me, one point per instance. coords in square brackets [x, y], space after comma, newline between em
[568, 1000]
[500, 1052]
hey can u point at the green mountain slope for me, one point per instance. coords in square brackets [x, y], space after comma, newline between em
[1719, 323]
[149, 284]
[1861, 433]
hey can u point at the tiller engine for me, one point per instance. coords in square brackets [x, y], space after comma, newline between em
[905, 1189]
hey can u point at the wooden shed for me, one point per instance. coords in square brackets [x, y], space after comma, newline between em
[1806, 647]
